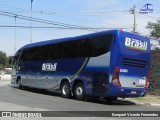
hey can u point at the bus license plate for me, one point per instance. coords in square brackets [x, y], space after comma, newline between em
[141, 82]
[133, 92]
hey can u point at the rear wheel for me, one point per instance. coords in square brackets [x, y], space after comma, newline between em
[65, 90]
[79, 91]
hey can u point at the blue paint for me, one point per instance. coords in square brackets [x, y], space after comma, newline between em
[95, 72]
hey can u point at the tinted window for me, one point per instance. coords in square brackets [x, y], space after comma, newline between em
[95, 46]
[28, 54]
[71, 49]
[43, 52]
[88, 47]
[102, 44]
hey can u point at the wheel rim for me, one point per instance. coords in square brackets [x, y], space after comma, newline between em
[65, 89]
[79, 91]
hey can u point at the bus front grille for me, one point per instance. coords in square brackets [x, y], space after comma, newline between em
[134, 62]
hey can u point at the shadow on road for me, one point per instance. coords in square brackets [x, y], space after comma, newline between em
[97, 101]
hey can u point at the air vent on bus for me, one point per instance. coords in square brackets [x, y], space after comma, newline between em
[134, 62]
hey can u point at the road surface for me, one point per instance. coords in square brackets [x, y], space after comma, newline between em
[13, 99]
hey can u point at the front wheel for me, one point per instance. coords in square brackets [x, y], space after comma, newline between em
[65, 90]
[79, 91]
[19, 84]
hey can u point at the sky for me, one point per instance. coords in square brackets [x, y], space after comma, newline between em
[51, 17]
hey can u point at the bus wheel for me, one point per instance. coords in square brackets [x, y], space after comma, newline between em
[79, 91]
[19, 84]
[65, 90]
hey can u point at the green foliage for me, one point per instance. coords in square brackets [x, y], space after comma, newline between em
[4, 61]
[155, 29]
[154, 87]
[1, 67]
[2, 58]
[7, 62]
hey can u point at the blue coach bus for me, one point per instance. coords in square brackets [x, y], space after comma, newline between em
[107, 64]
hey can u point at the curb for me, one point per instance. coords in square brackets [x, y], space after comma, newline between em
[147, 104]
[155, 104]
[4, 80]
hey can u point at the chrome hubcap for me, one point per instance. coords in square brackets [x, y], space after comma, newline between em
[79, 91]
[65, 89]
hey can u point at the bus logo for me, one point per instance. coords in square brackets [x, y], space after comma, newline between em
[49, 67]
[135, 44]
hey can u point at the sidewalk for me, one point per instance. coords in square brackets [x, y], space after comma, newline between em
[5, 77]
[152, 100]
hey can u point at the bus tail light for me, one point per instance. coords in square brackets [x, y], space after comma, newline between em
[147, 82]
[121, 30]
[115, 78]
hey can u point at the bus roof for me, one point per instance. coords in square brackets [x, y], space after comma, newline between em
[71, 38]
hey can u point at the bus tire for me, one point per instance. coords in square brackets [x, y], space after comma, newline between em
[19, 84]
[79, 91]
[65, 90]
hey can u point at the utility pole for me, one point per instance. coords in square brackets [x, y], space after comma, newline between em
[133, 11]
[15, 36]
[31, 23]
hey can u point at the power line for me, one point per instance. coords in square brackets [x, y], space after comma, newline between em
[42, 20]
[60, 25]
[64, 15]
[43, 27]
[67, 17]
[12, 1]
[64, 10]
[147, 16]
[93, 13]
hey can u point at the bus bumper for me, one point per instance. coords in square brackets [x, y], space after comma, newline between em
[125, 92]
[13, 81]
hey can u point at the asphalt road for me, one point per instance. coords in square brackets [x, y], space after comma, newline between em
[13, 99]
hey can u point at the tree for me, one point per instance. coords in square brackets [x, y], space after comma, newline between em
[155, 29]
[7, 62]
[2, 58]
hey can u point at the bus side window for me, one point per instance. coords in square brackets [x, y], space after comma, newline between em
[86, 48]
[102, 44]
[71, 49]
[57, 51]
